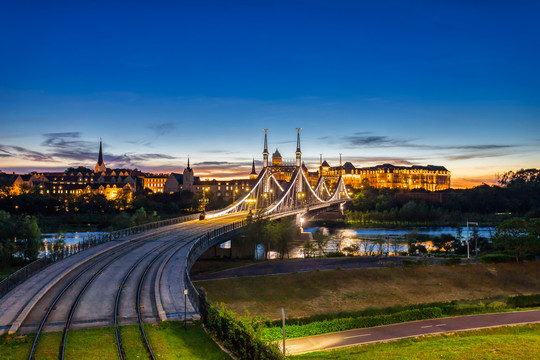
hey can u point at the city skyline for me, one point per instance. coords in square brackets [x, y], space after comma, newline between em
[450, 84]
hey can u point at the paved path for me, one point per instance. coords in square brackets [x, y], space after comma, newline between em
[22, 309]
[408, 329]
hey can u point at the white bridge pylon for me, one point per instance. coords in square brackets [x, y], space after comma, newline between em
[269, 196]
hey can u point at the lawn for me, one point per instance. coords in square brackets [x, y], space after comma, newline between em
[512, 342]
[168, 341]
[320, 292]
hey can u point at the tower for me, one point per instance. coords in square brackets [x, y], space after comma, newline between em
[277, 160]
[298, 152]
[188, 179]
[265, 151]
[100, 165]
[253, 174]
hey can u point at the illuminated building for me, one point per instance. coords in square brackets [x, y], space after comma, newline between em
[155, 183]
[430, 177]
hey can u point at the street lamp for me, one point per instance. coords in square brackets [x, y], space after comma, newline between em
[185, 309]
[250, 202]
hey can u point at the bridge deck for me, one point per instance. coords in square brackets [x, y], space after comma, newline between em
[21, 310]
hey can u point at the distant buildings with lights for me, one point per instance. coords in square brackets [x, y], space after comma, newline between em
[430, 177]
[112, 183]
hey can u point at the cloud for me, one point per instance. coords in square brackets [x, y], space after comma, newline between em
[469, 156]
[367, 139]
[18, 151]
[162, 128]
[364, 139]
[61, 139]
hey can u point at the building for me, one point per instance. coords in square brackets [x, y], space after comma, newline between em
[225, 189]
[430, 177]
[155, 183]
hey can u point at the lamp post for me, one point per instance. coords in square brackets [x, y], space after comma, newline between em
[185, 309]
[250, 202]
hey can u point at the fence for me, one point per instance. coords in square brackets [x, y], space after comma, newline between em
[202, 244]
[90, 241]
[239, 337]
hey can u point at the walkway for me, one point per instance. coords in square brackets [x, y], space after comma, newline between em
[408, 329]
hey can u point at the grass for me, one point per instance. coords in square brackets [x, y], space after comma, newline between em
[512, 342]
[321, 292]
[168, 341]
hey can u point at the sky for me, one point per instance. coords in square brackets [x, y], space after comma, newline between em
[453, 83]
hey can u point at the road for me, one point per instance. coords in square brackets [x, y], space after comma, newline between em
[22, 309]
[408, 329]
[274, 267]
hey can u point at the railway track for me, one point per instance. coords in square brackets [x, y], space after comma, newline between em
[70, 293]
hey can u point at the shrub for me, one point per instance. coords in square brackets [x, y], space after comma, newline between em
[453, 261]
[341, 324]
[242, 336]
[335, 254]
[497, 258]
[524, 300]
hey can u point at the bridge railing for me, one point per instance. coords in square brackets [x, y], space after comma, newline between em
[87, 242]
[198, 248]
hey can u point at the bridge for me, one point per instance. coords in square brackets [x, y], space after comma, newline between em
[144, 276]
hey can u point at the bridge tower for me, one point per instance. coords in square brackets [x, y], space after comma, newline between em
[265, 151]
[298, 151]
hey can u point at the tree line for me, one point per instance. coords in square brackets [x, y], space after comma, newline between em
[517, 194]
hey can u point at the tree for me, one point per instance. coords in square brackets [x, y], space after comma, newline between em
[321, 241]
[282, 233]
[380, 241]
[518, 237]
[139, 217]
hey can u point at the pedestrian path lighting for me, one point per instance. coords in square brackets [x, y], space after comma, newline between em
[301, 225]
[185, 309]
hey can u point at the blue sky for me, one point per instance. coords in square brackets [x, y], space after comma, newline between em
[452, 83]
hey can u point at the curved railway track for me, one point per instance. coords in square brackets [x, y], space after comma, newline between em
[160, 251]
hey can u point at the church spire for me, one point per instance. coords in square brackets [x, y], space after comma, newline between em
[100, 165]
[253, 174]
[100, 156]
[188, 163]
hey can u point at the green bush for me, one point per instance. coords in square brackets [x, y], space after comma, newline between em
[497, 258]
[408, 263]
[335, 254]
[524, 301]
[341, 324]
[243, 336]
[453, 261]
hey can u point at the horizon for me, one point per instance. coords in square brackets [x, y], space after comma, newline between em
[448, 84]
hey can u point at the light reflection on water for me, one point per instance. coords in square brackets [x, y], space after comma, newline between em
[395, 239]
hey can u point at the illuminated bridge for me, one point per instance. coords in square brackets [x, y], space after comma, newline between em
[141, 274]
